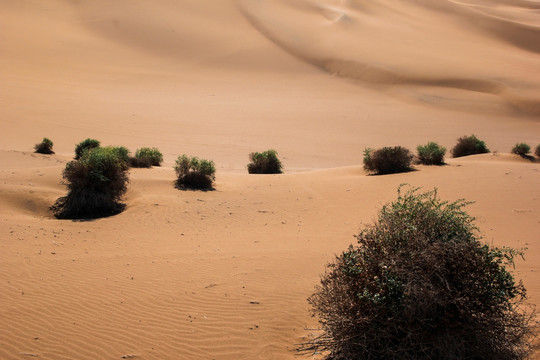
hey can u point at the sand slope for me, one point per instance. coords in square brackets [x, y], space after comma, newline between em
[225, 274]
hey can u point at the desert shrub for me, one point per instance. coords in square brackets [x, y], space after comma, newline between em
[85, 145]
[421, 285]
[122, 152]
[265, 162]
[95, 183]
[194, 173]
[387, 160]
[44, 147]
[145, 155]
[469, 145]
[139, 162]
[537, 151]
[521, 149]
[431, 154]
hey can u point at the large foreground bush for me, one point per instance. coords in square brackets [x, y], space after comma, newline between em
[387, 160]
[431, 154]
[194, 173]
[266, 162]
[421, 285]
[85, 145]
[469, 145]
[44, 147]
[95, 183]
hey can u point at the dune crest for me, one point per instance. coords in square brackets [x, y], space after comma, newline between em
[417, 43]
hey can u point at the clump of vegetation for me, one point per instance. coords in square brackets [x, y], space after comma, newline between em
[146, 157]
[387, 160]
[266, 162]
[95, 183]
[469, 145]
[431, 153]
[537, 151]
[44, 147]
[194, 173]
[521, 149]
[421, 285]
[85, 145]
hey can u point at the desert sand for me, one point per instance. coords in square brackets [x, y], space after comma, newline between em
[225, 274]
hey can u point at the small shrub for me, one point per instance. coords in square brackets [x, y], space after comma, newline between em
[122, 152]
[95, 183]
[421, 285]
[85, 145]
[147, 155]
[387, 160]
[537, 151]
[44, 147]
[266, 162]
[431, 154]
[469, 145]
[194, 173]
[521, 149]
[139, 162]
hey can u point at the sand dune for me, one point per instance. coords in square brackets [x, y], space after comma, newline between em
[225, 274]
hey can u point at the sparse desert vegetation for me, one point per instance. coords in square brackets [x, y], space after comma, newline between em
[521, 149]
[266, 162]
[95, 184]
[387, 160]
[469, 145]
[85, 145]
[431, 153]
[537, 151]
[44, 147]
[146, 157]
[420, 284]
[194, 173]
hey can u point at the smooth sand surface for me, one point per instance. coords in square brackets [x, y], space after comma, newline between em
[225, 274]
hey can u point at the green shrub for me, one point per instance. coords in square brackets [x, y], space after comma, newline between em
[122, 152]
[194, 173]
[85, 145]
[431, 154]
[521, 149]
[95, 183]
[266, 162]
[469, 145]
[537, 151]
[421, 285]
[387, 160]
[146, 157]
[44, 147]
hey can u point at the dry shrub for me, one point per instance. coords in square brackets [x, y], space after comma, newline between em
[387, 160]
[96, 183]
[44, 147]
[421, 285]
[469, 145]
[194, 173]
[142, 162]
[521, 149]
[537, 151]
[145, 155]
[84, 145]
[266, 162]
